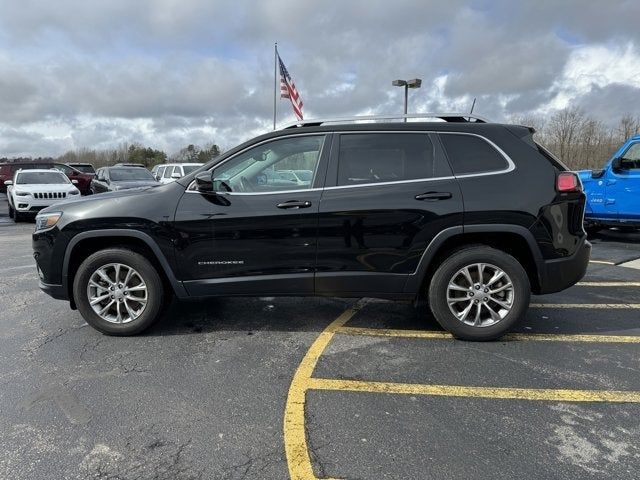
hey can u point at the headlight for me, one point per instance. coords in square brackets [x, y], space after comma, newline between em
[22, 194]
[45, 221]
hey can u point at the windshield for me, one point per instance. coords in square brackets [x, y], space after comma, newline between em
[130, 174]
[40, 178]
[84, 168]
[190, 168]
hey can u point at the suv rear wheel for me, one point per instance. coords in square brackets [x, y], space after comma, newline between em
[479, 292]
[118, 292]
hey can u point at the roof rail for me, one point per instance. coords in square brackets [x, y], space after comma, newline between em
[447, 117]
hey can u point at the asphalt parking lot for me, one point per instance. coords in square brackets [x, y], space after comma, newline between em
[270, 388]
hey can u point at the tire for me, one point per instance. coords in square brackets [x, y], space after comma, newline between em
[517, 297]
[144, 271]
[17, 216]
[11, 211]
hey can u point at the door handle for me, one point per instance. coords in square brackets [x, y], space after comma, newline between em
[294, 204]
[433, 196]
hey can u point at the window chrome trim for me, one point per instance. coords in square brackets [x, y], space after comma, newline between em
[316, 134]
[238, 194]
[510, 164]
[415, 180]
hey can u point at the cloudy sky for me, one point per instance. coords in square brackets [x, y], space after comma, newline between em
[166, 73]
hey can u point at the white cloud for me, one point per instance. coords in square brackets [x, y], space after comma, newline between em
[167, 73]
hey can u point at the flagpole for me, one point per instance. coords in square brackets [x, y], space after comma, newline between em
[275, 82]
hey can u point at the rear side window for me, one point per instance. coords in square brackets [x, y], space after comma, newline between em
[469, 154]
[386, 157]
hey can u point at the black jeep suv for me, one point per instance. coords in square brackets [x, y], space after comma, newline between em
[465, 215]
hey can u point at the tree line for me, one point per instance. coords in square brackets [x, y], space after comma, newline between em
[577, 139]
[580, 141]
[130, 153]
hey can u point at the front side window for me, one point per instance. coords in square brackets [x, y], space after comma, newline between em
[271, 167]
[41, 178]
[469, 154]
[386, 157]
[631, 158]
[168, 172]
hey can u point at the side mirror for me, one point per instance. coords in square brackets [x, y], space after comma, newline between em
[204, 182]
[176, 175]
[75, 182]
[597, 173]
[8, 182]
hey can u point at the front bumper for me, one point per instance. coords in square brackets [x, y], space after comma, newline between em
[56, 291]
[31, 205]
[559, 274]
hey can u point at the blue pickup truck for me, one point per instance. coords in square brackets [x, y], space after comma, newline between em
[613, 193]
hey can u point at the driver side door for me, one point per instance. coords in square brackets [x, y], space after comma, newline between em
[624, 187]
[258, 233]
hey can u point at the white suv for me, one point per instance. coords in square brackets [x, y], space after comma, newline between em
[168, 172]
[32, 190]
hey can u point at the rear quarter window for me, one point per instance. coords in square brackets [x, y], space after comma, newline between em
[470, 154]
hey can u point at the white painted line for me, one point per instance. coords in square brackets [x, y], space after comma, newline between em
[632, 264]
[608, 284]
[603, 306]
[604, 262]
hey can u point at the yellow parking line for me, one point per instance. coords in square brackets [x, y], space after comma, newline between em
[295, 440]
[543, 337]
[607, 306]
[608, 284]
[604, 262]
[540, 394]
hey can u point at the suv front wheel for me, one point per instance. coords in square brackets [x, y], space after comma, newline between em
[479, 292]
[118, 292]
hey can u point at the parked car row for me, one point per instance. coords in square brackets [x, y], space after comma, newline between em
[83, 178]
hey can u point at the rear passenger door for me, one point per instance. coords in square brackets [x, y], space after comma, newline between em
[387, 195]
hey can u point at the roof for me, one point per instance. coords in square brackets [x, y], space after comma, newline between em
[41, 170]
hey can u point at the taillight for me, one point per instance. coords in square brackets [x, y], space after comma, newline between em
[568, 182]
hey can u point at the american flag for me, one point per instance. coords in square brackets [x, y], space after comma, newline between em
[288, 90]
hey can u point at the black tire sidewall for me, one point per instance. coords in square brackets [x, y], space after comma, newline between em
[502, 260]
[143, 267]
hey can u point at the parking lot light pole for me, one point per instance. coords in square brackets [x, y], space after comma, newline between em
[407, 84]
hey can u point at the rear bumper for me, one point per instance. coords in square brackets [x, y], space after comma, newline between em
[560, 274]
